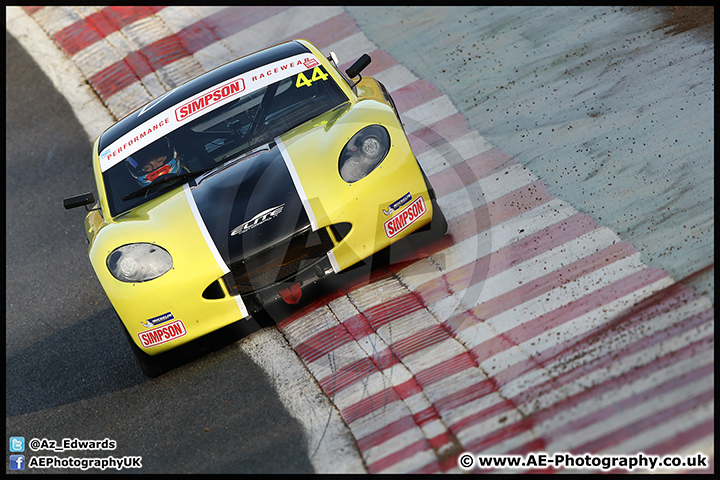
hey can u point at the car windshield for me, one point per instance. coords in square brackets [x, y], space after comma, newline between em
[228, 132]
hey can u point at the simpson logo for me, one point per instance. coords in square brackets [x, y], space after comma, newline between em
[406, 217]
[210, 98]
[163, 334]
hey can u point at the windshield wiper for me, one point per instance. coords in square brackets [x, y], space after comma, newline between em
[165, 181]
[236, 157]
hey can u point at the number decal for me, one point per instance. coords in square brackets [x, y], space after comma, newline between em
[318, 75]
[302, 80]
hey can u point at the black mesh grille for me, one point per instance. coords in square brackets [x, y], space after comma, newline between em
[280, 262]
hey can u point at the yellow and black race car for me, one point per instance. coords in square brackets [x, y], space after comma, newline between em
[242, 186]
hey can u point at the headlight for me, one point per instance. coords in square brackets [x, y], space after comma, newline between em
[365, 150]
[139, 262]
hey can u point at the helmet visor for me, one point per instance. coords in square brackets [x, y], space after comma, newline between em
[152, 162]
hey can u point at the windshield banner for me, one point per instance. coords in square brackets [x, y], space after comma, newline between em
[202, 103]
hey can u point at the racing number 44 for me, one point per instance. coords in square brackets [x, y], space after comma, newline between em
[302, 80]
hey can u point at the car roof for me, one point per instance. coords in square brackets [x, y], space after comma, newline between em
[200, 83]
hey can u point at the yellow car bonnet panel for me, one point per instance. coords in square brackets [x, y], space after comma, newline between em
[168, 222]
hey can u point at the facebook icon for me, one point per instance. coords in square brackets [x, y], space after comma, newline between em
[17, 462]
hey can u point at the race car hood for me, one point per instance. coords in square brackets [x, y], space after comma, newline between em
[249, 204]
[254, 202]
[264, 197]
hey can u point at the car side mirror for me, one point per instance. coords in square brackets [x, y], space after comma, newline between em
[357, 67]
[334, 59]
[79, 201]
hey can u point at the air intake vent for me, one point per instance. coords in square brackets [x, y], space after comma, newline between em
[340, 230]
[280, 262]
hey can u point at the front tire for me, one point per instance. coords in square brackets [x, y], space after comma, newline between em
[151, 366]
[437, 227]
[434, 230]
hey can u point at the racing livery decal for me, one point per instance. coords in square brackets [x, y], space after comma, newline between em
[393, 207]
[163, 334]
[298, 185]
[406, 217]
[206, 101]
[247, 195]
[261, 217]
[310, 62]
[155, 321]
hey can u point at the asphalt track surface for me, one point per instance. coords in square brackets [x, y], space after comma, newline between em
[534, 345]
[70, 373]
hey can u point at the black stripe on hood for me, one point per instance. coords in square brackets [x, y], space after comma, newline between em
[236, 194]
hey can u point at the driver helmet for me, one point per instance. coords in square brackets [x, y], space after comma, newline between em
[154, 161]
